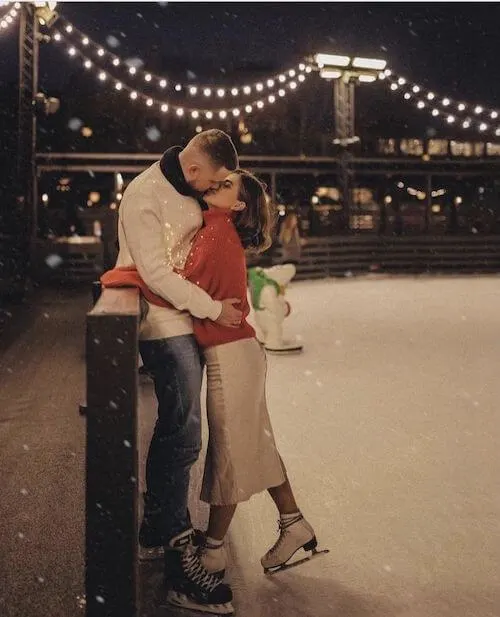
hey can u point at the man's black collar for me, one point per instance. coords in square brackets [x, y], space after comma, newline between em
[172, 170]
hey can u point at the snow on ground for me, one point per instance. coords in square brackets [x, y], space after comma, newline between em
[388, 425]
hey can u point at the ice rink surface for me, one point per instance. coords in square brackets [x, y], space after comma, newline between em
[388, 423]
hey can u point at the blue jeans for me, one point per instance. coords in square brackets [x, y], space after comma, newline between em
[177, 373]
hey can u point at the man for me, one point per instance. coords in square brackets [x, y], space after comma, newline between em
[158, 218]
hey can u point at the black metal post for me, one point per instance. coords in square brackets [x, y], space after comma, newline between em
[26, 144]
[111, 567]
[343, 98]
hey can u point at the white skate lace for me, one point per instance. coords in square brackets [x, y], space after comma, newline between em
[195, 571]
[283, 530]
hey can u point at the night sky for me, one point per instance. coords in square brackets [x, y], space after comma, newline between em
[452, 48]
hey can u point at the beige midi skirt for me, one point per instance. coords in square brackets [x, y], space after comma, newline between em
[242, 458]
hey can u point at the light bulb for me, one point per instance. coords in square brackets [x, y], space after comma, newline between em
[102, 76]
[401, 81]
[221, 92]
[494, 115]
[163, 83]
[483, 126]
[271, 98]
[149, 102]
[57, 36]
[281, 92]
[71, 51]
[420, 104]
[416, 89]
[394, 86]
[193, 90]
[87, 64]
[248, 109]
[85, 40]
[270, 83]
[407, 95]
[260, 104]
[132, 70]
[100, 52]
[461, 107]
[430, 96]
[222, 114]
[118, 85]
[308, 69]
[234, 91]
[236, 112]
[179, 111]
[466, 124]
[207, 92]
[435, 112]
[164, 108]
[478, 109]
[69, 28]
[209, 115]
[259, 87]
[302, 66]
[291, 73]
[301, 77]
[246, 89]
[147, 77]
[195, 114]
[282, 78]
[133, 95]
[116, 62]
[388, 72]
[178, 87]
[292, 85]
[450, 119]
[446, 102]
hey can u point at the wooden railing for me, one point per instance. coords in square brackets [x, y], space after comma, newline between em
[341, 256]
[111, 565]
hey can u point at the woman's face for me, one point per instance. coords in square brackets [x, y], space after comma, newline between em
[226, 196]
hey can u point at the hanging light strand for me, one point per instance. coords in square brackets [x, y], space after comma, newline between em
[452, 112]
[9, 16]
[263, 87]
[166, 106]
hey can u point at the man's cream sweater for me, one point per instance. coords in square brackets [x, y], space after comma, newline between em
[155, 229]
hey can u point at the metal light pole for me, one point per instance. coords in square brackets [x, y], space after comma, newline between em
[26, 180]
[346, 73]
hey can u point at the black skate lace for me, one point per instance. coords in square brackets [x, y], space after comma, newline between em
[194, 570]
[283, 530]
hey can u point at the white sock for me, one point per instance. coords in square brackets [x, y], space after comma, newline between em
[213, 543]
[288, 517]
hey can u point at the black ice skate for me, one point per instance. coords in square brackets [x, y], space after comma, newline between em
[191, 586]
[295, 534]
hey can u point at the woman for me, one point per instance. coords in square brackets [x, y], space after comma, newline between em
[290, 240]
[238, 217]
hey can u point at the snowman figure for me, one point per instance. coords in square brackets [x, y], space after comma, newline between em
[267, 295]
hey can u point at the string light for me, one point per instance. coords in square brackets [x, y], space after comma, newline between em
[298, 72]
[9, 17]
[154, 103]
[445, 102]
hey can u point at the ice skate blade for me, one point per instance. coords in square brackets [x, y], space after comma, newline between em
[283, 351]
[288, 565]
[182, 601]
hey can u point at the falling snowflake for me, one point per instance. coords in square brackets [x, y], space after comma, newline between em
[112, 41]
[153, 134]
[75, 124]
[53, 261]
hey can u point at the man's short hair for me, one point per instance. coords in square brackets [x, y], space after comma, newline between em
[218, 146]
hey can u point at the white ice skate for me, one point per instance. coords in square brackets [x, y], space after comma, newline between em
[213, 558]
[295, 534]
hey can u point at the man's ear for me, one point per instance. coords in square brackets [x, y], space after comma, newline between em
[239, 206]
